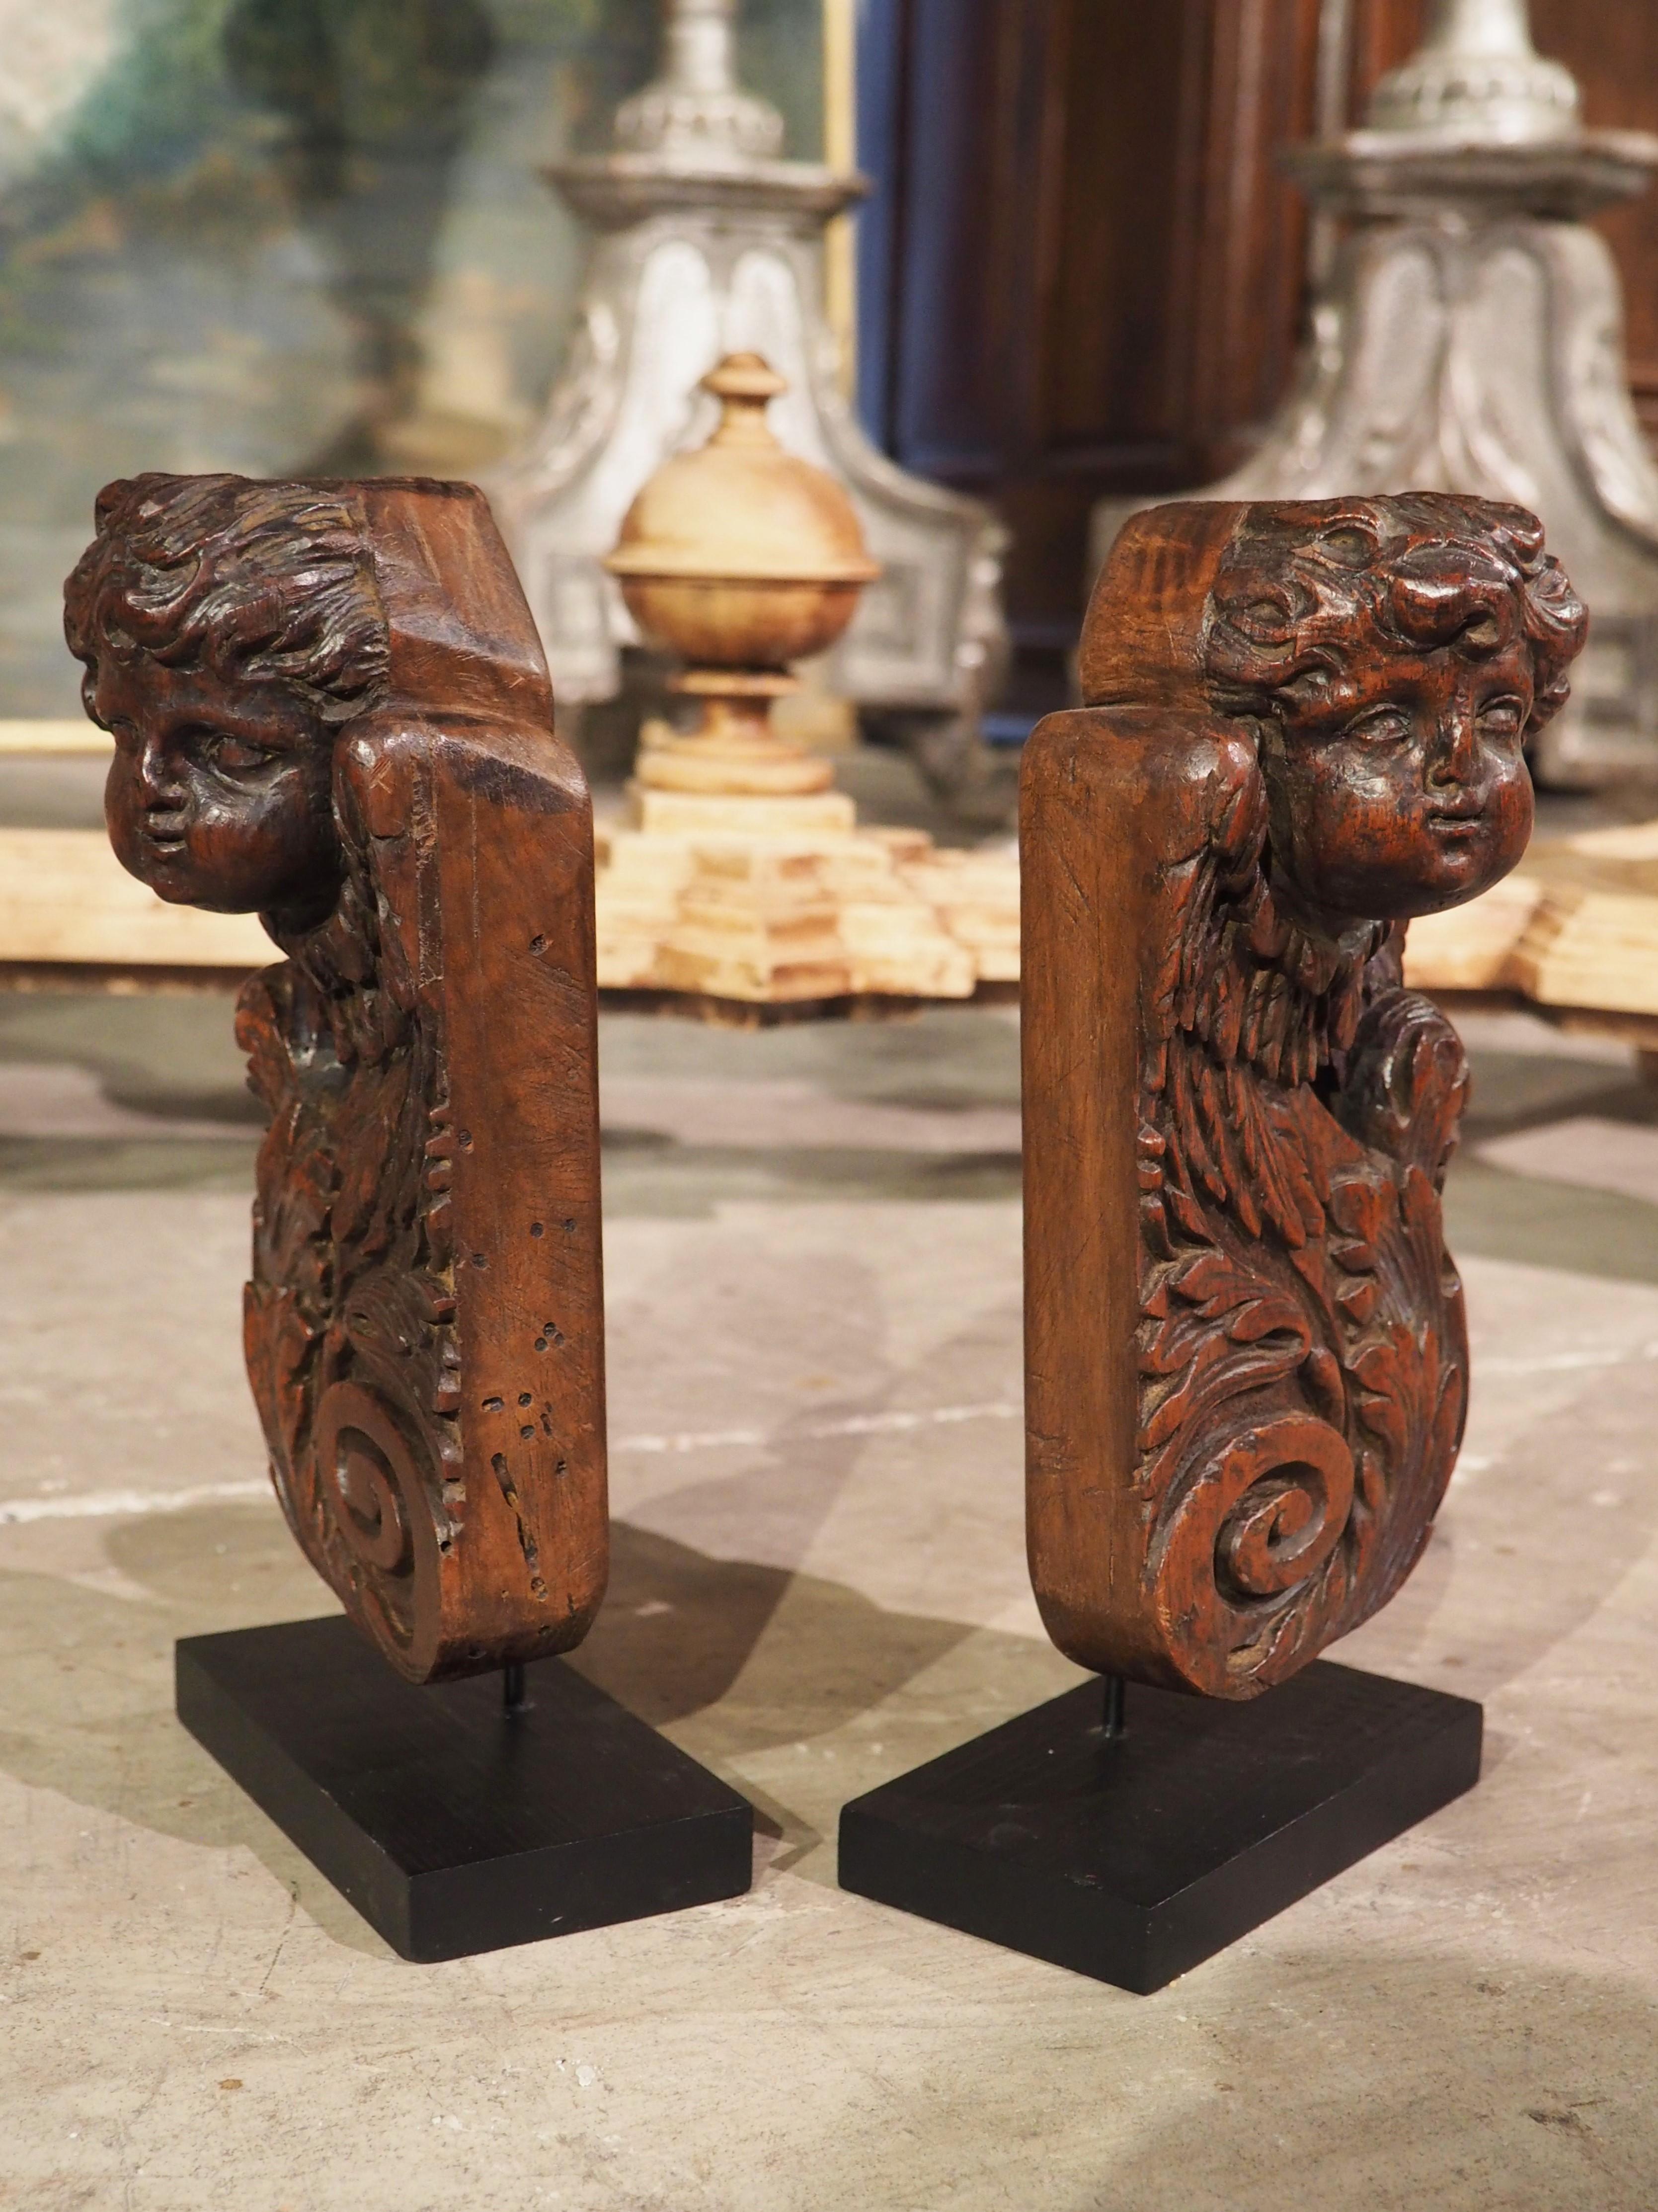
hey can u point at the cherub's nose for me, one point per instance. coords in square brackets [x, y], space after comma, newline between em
[155, 777]
[1454, 750]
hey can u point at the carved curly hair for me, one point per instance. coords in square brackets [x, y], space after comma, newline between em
[270, 582]
[1291, 610]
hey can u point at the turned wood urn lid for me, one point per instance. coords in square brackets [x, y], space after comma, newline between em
[742, 509]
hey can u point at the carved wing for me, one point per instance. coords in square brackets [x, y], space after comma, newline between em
[1293, 1421]
[1227, 1016]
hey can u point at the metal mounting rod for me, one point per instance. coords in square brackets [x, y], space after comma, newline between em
[1115, 1725]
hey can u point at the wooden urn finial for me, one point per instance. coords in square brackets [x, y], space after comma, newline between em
[741, 558]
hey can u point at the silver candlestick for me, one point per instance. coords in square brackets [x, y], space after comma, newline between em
[1477, 79]
[708, 243]
[695, 113]
[1468, 337]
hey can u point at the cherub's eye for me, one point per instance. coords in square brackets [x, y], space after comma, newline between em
[1502, 718]
[234, 755]
[1385, 725]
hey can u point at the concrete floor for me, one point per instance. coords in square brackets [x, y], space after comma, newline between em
[814, 1282]
[813, 1262]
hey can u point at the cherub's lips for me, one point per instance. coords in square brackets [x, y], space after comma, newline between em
[1456, 822]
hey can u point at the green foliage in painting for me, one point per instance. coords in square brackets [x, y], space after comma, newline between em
[360, 73]
[162, 99]
[274, 234]
[190, 76]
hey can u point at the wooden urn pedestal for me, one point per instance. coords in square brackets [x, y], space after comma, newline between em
[784, 902]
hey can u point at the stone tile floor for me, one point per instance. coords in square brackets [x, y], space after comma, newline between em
[814, 1284]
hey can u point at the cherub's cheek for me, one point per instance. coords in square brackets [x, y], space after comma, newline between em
[1356, 783]
[1357, 806]
[123, 800]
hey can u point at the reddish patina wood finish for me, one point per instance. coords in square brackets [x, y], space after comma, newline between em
[1247, 1361]
[331, 707]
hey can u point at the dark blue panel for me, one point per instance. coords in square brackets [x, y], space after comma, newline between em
[950, 117]
[950, 391]
[881, 43]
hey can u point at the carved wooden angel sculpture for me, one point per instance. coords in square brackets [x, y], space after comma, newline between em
[1245, 1353]
[331, 707]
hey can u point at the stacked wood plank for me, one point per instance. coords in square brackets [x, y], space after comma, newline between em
[65, 900]
[767, 901]
[1576, 928]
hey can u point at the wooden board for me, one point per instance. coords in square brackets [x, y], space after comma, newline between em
[34, 740]
[64, 897]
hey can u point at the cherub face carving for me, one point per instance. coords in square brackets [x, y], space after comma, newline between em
[1394, 672]
[230, 629]
[1406, 796]
[219, 795]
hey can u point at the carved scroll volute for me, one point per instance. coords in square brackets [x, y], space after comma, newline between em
[351, 716]
[1247, 1361]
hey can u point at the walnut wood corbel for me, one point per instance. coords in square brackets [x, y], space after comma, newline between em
[1246, 1363]
[331, 706]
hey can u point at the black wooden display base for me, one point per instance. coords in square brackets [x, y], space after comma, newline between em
[453, 1823]
[1133, 1856]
